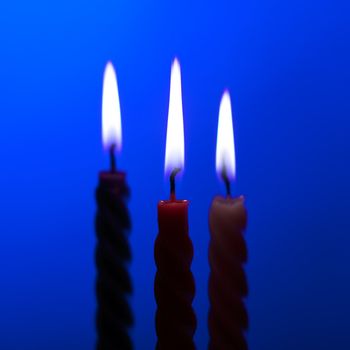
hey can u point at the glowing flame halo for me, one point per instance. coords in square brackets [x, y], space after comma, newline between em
[225, 150]
[111, 119]
[175, 145]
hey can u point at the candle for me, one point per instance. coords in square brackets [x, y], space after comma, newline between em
[174, 284]
[113, 284]
[228, 318]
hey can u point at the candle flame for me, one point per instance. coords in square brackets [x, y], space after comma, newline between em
[225, 150]
[111, 119]
[174, 151]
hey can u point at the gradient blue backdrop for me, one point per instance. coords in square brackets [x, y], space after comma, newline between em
[287, 67]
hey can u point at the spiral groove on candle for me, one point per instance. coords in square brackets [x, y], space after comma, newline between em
[174, 291]
[113, 284]
[228, 317]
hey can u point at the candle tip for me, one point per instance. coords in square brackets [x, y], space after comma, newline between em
[112, 157]
[172, 182]
[226, 181]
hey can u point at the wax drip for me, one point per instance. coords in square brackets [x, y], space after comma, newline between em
[113, 283]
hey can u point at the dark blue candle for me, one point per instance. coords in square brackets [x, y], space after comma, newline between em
[113, 254]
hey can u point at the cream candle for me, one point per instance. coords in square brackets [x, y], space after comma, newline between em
[228, 318]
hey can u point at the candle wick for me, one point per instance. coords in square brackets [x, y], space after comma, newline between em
[172, 183]
[226, 181]
[112, 158]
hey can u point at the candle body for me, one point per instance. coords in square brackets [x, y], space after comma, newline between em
[113, 283]
[174, 285]
[228, 318]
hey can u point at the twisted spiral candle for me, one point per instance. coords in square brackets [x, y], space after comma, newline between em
[174, 284]
[228, 317]
[113, 284]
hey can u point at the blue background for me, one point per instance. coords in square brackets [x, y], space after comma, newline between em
[287, 67]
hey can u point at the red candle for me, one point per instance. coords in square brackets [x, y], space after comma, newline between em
[113, 282]
[228, 318]
[173, 252]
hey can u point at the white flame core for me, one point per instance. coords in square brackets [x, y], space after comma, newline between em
[174, 151]
[225, 150]
[111, 119]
